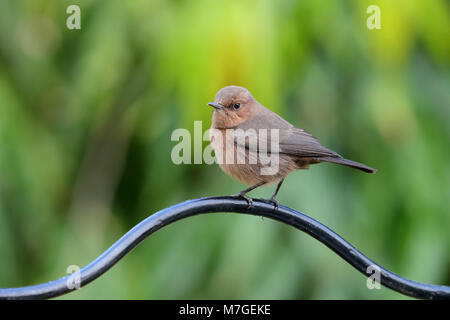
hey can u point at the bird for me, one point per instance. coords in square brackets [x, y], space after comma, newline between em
[238, 121]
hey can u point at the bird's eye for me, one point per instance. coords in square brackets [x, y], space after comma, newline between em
[236, 106]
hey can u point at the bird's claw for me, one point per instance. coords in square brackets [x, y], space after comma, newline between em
[243, 196]
[276, 205]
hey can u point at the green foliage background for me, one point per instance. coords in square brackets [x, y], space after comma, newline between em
[86, 118]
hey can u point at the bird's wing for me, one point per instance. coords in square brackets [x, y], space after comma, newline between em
[299, 143]
[265, 119]
[261, 131]
[291, 140]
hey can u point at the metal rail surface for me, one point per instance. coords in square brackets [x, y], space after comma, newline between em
[191, 208]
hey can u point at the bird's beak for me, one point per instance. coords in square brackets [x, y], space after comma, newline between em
[215, 105]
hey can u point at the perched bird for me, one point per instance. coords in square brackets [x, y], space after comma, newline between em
[234, 109]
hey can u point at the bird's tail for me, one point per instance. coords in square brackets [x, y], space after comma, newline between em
[349, 163]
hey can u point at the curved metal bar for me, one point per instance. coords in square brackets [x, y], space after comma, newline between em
[227, 204]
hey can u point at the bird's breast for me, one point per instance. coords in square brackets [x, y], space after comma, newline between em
[239, 162]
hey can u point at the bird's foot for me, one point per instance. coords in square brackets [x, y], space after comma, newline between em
[243, 196]
[272, 200]
[276, 205]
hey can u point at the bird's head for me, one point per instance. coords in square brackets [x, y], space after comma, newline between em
[232, 105]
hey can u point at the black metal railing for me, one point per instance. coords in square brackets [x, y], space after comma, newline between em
[227, 204]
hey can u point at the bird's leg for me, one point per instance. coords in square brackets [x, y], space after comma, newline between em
[243, 193]
[272, 199]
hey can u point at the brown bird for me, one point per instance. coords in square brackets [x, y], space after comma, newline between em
[241, 153]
